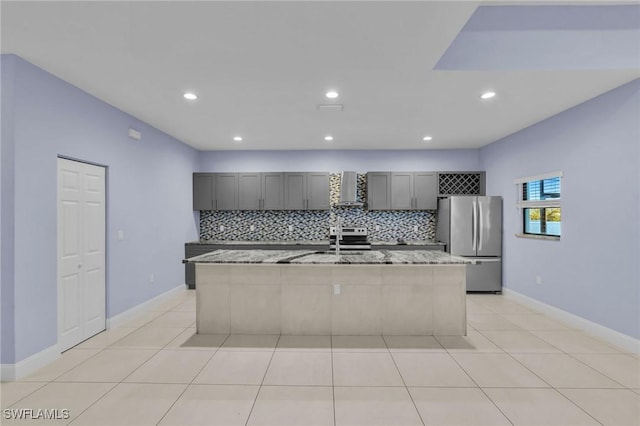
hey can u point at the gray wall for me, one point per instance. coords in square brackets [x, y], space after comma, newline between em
[336, 161]
[593, 271]
[148, 197]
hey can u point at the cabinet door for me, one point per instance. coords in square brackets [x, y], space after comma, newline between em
[203, 191]
[425, 190]
[249, 191]
[295, 191]
[378, 191]
[272, 191]
[317, 191]
[227, 191]
[402, 191]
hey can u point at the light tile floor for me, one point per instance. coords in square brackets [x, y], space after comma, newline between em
[515, 367]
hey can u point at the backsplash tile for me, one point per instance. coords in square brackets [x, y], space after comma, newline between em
[314, 225]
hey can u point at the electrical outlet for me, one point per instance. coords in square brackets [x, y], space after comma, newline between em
[252, 228]
[152, 278]
[377, 227]
[120, 235]
[415, 228]
[290, 228]
[538, 279]
[221, 228]
[336, 289]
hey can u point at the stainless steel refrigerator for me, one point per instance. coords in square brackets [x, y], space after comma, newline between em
[471, 226]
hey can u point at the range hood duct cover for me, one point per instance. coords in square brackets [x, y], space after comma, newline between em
[348, 190]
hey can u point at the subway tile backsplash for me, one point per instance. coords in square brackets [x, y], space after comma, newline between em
[314, 225]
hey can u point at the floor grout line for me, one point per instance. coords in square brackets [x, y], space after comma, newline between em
[406, 388]
[262, 382]
[191, 382]
[332, 351]
[333, 381]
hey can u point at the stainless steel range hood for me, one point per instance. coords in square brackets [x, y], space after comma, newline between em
[349, 190]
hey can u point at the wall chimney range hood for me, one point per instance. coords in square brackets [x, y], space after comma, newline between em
[348, 190]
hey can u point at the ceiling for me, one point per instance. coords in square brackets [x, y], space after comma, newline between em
[260, 69]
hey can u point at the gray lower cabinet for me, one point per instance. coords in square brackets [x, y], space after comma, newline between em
[306, 191]
[204, 191]
[379, 191]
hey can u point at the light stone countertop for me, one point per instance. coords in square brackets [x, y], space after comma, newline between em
[312, 242]
[309, 257]
[263, 243]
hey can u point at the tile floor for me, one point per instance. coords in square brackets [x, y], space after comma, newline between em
[515, 367]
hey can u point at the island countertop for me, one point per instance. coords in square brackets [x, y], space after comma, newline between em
[312, 242]
[390, 257]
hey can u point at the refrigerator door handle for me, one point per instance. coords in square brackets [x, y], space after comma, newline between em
[473, 225]
[480, 226]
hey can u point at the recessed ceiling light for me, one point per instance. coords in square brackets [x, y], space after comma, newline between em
[190, 96]
[427, 138]
[488, 95]
[331, 94]
[328, 138]
[237, 139]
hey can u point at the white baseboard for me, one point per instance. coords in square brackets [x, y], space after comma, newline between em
[21, 369]
[129, 314]
[612, 337]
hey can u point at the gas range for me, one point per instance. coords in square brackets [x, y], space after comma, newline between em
[353, 238]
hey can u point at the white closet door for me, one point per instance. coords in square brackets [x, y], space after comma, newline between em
[81, 252]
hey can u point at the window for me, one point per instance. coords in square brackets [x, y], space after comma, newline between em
[539, 203]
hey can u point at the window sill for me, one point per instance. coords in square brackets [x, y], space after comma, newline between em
[538, 237]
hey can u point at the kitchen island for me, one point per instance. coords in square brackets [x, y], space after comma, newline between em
[305, 292]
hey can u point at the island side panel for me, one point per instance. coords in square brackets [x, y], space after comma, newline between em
[407, 300]
[302, 299]
[212, 299]
[357, 308]
[254, 299]
[305, 301]
[450, 300]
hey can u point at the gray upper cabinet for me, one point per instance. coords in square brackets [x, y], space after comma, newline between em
[260, 191]
[379, 190]
[204, 194]
[249, 191]
[272, 185]
[425, 192]
[402, 190]
[317, 191]
[226, 191]
[295, 191]
[306, 191]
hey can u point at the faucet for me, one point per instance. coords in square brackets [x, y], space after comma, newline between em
[338, 234]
